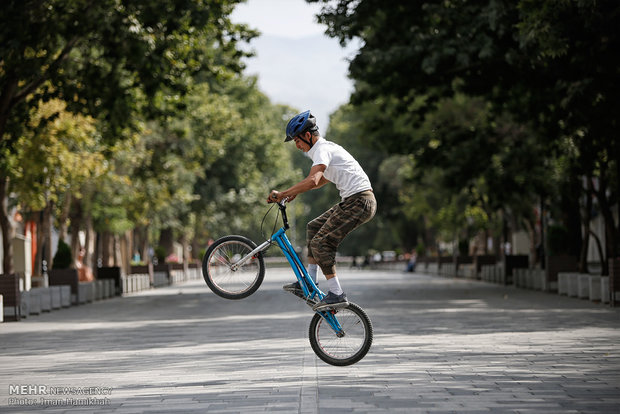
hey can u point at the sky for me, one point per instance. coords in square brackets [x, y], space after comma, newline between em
[296, 63]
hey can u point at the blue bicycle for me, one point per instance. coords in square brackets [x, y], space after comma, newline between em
[234, 268]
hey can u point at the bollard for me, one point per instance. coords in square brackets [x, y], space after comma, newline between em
[595, 288]
[65, 296]
[562, 283]
[583, 286]
[573, 285]
[35, 302]
[605, 289]
[44, 298]
[55, 295]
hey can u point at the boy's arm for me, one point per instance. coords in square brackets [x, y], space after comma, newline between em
[315, 179]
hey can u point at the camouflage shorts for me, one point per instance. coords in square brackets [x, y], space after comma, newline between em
[327, 231]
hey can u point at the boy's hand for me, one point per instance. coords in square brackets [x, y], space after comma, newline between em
[274, 196]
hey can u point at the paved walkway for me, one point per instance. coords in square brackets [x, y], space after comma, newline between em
[441, 345]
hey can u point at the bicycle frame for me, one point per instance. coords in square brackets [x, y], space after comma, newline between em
[310, 289]
[308, 286]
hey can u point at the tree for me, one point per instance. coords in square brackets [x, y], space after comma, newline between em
[57, 154]
[244, 157]
[105, 59]
[545, 66]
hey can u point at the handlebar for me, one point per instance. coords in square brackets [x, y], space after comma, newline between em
[282, 206]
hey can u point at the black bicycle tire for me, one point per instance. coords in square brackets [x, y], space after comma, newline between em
[214, 286]
[367, 343]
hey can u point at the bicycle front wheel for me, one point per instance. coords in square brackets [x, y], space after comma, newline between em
[222, 273]
[349, 347]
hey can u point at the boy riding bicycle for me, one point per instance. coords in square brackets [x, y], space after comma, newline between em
[330, 163]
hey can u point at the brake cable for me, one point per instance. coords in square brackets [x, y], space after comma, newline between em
[275, 223]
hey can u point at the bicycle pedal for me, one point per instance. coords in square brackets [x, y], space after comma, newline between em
[310, 302]
[333, 308]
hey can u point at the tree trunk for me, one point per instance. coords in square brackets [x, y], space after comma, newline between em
[130, 250]
[616, 253]
[76, 224]
[118, 258]
[610, 226]
[64, 215]
[166, 240]
[486, 241]
[196, 249]
[543, 234]
[505, 235]
[140, 238]
[124, 252]
[585, 225]
[571, 215]
[38, 259]
[107, 249]
[531, 231]
[186, 252]
[8, 231]
[601, 255]
[91, 236]
[46, 229]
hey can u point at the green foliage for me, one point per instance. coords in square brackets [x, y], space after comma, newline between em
[160, 253]
[463, 113]
[245, 158]
[113, 65]
[481, 91]
[103, 57]
[203, 172]
[63, 258]
[60, 151]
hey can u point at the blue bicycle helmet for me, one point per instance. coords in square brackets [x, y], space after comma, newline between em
[299, 124]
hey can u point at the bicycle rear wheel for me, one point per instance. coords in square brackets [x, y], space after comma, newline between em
[223, 277]
[348, 348]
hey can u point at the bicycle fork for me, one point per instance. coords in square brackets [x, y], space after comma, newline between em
[330, 317]
[235, 266]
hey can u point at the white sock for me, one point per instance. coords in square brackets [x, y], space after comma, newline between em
[312, 270]
[334, 285]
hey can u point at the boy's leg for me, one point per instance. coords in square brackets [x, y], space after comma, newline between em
[344, 218]
[311, 229]
[313, 271]
[350, 215]
[334, 284]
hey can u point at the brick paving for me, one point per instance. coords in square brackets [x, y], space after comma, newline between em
[441, 345]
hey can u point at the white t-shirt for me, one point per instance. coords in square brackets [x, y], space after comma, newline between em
[342, 169]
